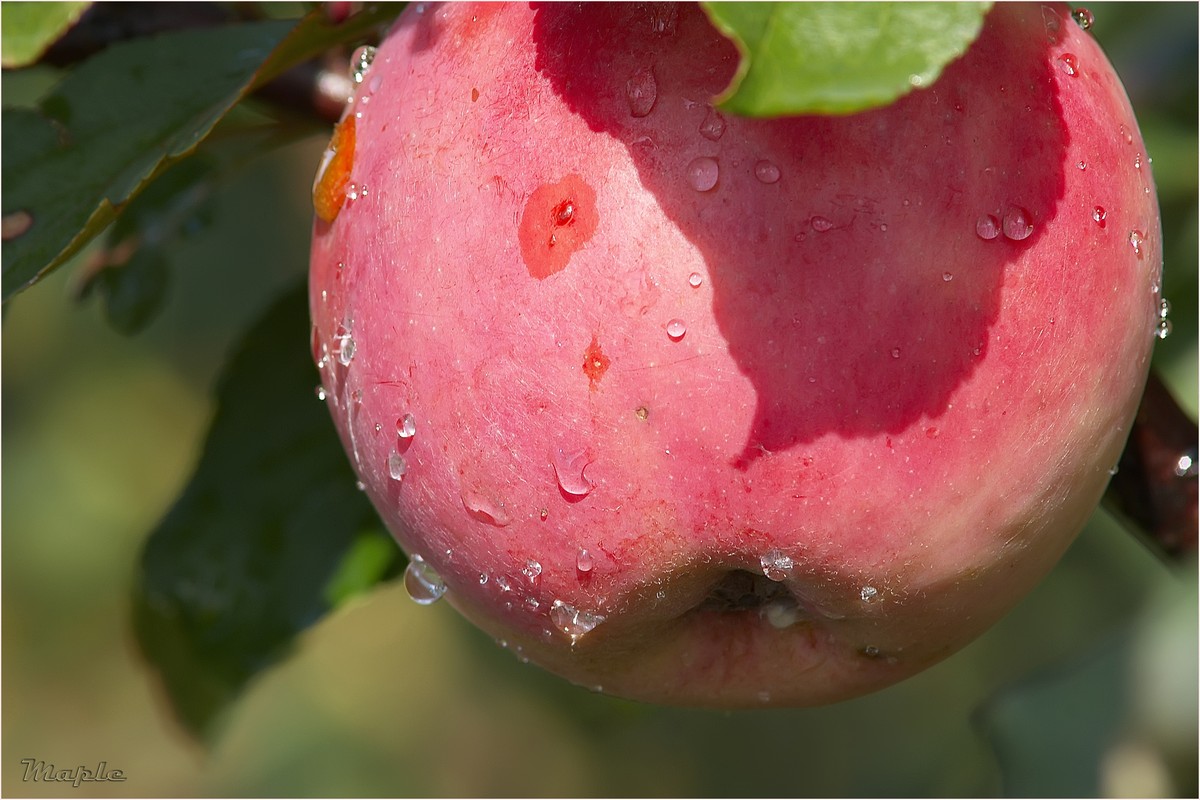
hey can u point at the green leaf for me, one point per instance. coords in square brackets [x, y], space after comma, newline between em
[838, 58]
[127, 114]
[268, 535]
[133, 291]
[28, 29]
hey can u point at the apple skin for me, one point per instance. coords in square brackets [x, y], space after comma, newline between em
[638, 383]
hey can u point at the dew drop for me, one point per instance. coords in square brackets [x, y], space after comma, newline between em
[344, 343]
[321, 393]
[1083, 18]
[1017, 224]
[1164, 329]
[543, 514]
[375, 84]
[695, 279]
[987, 227]
[583, 561]
[766, 172]
[702, 173]
[1114, 469]
[947, 276]
[572, 621]
[422, 582]
[676, 329]
[532, 571]
[1126, 134]
[868, 594]
[895, 352]
[641, 90]
[1082, 165]
[820, 224]
[1069, 64]
[486, 509]
[406, 427]
[776, 565]
[1164, 308]
[15, 224]
[1136, 238]
[397, 466]
[713, 126]
[360, 63]
[568, 469]
[1099, 215]
[483, 578]
[664, 19]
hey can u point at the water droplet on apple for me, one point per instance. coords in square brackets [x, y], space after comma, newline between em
[987, 227]
[1164, 308]
[1069, 64]
[375, 84]
[344, 343]
[1099, 215]
[766, 172]
[781, 614]
[820, 224]
[485, 509]
[15, 224]
[532, 571]
[1017, 224]
[776, 565]
[406, 427]
[397, 466]
[568, 469]
[1164, 329]
[321, 393]
[1114, 469]
[870, 651]
[695, 279]
[868, 594]
[1083, 18]
[702, 173]
[676, 329]
[503, 583]
[895, 352]
[713, 126]
[483, 578]
[422, 582]
[947, 276]
[1136, 238]
[1126, 134]
[641, 90]
[1082, 165]
[664, 19]
[583, 561]
[572, 621]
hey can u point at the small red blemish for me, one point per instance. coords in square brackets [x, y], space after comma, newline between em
[329, 190]
[931, 433]
[595, 363]
[474, 95]
[558, 219]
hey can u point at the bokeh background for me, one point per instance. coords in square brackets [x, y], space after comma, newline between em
[1089, 687]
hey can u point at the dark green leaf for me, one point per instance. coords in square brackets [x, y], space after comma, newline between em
[134, 291]
[27, 29]
[268, 534]
[838, 58]
[126, 115]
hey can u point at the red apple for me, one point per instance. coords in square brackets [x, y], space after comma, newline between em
[720, 411]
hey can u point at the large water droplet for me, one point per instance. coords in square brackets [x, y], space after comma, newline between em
[1069, 64]
[584, 561]
[641, 90]
[1083, 18]
[987, 227]
[422, 582]
[572, 621]
[1136, 239]
[868, 594]
[820, 224]
[776, 565]
[702, 173]
[695, 279]
[713, 126]
[676, 329]
[1126, 134]
[1185, 467]
[1017, 224]
[568, 469]
[343, 343]
[1099, 215]
[485, 508]
[406, 427]
[397, 466]
[766, 172]
[532, 572]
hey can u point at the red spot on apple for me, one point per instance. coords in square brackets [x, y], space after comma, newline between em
[329, 189]
[559, 218]
[595, 363]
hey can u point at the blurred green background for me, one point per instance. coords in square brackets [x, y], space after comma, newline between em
[1089, 687]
